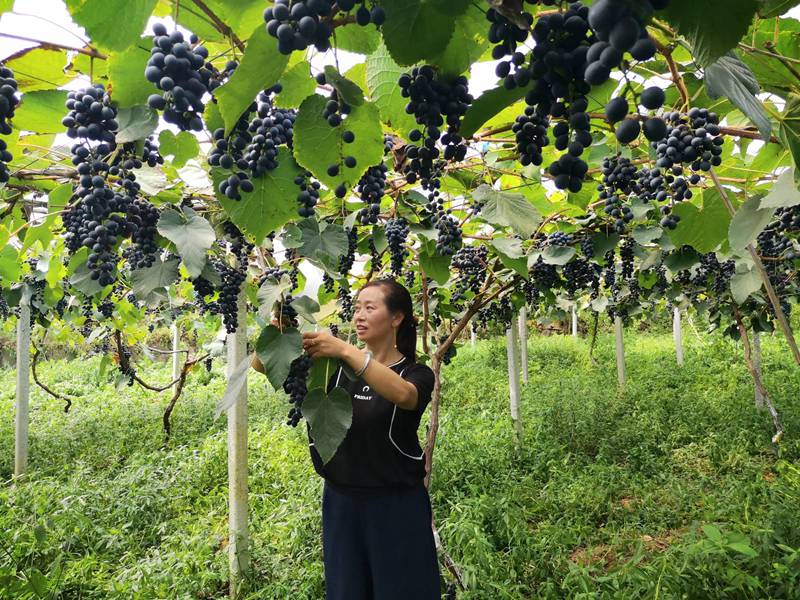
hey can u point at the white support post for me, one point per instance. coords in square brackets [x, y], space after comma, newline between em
[238, 528]
[176, 357]
[677, 334]
[473, 335]
[759, 397]
[512, 344]
[23, 390]
[574, 321]
[523, 342]
[620, 350]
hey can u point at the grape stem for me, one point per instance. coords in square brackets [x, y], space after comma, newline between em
[677, 79]
[219, 25]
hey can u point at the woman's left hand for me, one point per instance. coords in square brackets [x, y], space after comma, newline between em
[321, 344]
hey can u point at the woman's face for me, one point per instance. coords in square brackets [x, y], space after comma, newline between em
[371, 317]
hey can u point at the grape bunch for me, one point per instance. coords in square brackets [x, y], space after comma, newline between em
[142, 222]
[629, 128]
[91, 117]
[8, 103]
[346, 300]
[371, 188]
[581, 274]
[396, 234]
[232, 280]
[694, 139]
[272, 127]
[775, 241]
[178, 69]
[8, 99]
[619, 180]
[299, 24]
[295, 385]
[719, 273]
[544, 275]
[558, 238]
[229, 153]
[530, 131]
[620, 28]
[557, 69]
[507, 36]
[626, 254]
[129, 158]
[471, 264]
[308, 196]
[346, 260]
[99, 217]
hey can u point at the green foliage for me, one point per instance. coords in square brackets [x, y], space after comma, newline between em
[125, 70]
[669, 485]
[191, 234]
[429, 23]
[271, 204]
[711, 43]
[261, 67]
[112, 24]
[330, 416]
[317, 145]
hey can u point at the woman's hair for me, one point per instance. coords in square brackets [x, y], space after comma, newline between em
[398, 300]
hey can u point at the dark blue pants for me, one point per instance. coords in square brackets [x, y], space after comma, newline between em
[379, 547]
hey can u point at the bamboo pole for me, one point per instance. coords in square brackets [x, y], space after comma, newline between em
[620, 344]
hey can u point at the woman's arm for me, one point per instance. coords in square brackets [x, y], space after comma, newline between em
[380, 378]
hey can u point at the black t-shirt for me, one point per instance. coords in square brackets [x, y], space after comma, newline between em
[380, 450]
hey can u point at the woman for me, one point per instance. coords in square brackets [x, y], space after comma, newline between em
[376, 513]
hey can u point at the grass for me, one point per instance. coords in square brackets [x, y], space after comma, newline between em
[669, 488]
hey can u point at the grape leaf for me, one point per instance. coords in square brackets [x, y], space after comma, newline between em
[790, 130]
[467, 43]
[435, 265]
[272, 203]
[112, 24]
[784, 192]
[160, 275]
[508, 210]
[182, 146]
[347, 90]
[128, 86]
[417, 29]
[330, 417]
[317, 145]
[354, 38]
[731, 78]
[191, 234]
[382, 74]
[704, 230]
[744, 282]
[41, 111]
[276, 350]
[298, 84]
[775, 8]
[39, 69]
[488, 105]
[708, 40]
[136, 123]
[261, 67]
[748, 222]
[325, 245]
